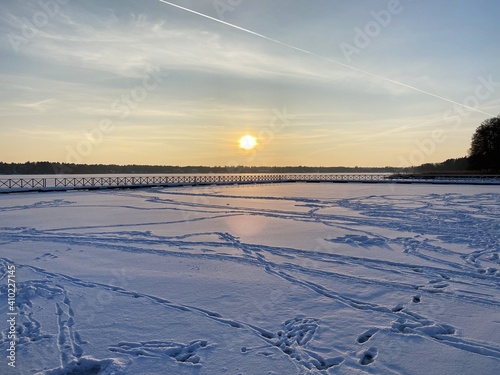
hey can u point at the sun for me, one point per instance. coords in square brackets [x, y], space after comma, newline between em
[248, 142]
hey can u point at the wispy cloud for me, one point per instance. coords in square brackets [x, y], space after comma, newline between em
[41, 106]
[124, 47]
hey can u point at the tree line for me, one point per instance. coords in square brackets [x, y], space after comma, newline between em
[48, 168]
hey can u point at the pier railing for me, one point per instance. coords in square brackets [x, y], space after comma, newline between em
[68, 183]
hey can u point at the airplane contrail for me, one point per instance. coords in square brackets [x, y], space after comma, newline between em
[326, 58]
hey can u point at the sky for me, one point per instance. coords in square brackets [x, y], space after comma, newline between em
[322, 83]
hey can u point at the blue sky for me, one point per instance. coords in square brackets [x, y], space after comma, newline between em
[367, 83]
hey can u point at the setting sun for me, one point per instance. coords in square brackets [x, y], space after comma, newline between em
[248, 142]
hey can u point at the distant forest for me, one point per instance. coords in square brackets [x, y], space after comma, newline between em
[451, 166]
[48, 168]
[460, 166]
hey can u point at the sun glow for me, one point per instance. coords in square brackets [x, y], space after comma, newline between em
[248, 142]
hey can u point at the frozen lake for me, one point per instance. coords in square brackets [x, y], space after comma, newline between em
[256, 279]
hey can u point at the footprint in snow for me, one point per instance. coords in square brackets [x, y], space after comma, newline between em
[367, 335]
[182, 353]
[293, 341]
[46, 256]
[368, 356]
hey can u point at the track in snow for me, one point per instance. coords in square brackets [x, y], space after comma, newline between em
[406, 260]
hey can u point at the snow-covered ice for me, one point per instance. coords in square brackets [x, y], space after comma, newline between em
[254, 279]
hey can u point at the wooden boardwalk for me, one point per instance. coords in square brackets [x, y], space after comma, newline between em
[11, 185]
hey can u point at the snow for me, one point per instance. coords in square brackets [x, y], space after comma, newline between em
[254, 279]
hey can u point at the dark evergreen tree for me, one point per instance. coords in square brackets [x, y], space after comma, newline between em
[484, 153]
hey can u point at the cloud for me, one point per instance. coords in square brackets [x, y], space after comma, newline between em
[123, 46]
[41, 106]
